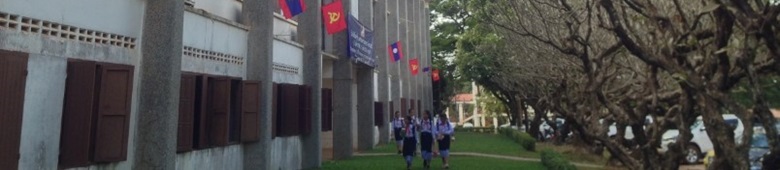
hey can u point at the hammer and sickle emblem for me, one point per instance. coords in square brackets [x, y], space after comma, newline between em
[334, 16]
[414, 67]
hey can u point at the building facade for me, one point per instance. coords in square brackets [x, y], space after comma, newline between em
[200, 84]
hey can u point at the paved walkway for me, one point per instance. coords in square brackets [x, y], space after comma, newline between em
[515, 158]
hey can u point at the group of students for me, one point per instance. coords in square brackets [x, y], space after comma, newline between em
[406, 129]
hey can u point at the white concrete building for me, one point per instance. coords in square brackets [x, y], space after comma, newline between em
[202, 84]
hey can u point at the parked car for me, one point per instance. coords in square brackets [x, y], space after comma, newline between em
[629, 133]
[700, 143]
[759, 148]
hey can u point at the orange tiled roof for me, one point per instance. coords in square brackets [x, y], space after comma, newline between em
[465, 97]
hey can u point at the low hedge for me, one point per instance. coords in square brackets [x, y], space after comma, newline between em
[555, 161]
[524, 139]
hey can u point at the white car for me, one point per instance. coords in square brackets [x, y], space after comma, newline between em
[700, 143]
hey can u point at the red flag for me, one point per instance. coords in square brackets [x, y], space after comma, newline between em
[333, 17]
[415, 66]
[435, 75]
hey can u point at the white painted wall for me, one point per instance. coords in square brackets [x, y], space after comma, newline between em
[229, 9]
[286, 153]
[45, 88]
[205, 33]
[285, 29]
[229, 157]
[289, 54]
[123, 17]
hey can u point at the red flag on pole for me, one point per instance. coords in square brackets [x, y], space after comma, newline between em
[333, 17]
[435, 75]
[415, 66]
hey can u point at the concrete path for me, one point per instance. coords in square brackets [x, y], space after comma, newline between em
[514, 158]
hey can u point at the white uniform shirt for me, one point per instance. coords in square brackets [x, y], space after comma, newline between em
[427, 126]
[398, 123]
[444, 128]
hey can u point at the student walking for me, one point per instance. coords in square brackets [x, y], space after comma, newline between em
[426, 139]
[444, 133]
[410, 142]
[398, 124]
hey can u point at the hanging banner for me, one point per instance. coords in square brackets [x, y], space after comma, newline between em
[361, 42]
[333, 17]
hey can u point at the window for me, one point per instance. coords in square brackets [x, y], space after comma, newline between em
[293, 113]
[378, 114]
[217, 111]
[96, 113]
[13, 77]
[327, 110]
[289, 110]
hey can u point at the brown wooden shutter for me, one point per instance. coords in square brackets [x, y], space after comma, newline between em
[78, 109]
[378, 114]
[411, 106]
[275, 111]
[289, 110]
[186, 113]
[113, 114]
[305, 110]
[200, 137]
[13, 78]
[250, 114]
[327, 110]
[219, 111]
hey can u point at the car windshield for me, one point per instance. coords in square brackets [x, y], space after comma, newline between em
[759, 141]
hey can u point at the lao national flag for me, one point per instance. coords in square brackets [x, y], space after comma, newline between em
[333, 17]
[415, 66]
[291, 8]
[426, 69]
[395, 51]
[435, 75]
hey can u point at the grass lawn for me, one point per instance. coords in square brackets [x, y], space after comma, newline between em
[475, 142]
[472, 142]
[457, 162]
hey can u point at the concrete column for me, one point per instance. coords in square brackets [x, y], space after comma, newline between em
[310, 31]
[258, 15]
[380, 50]
[461, 115]
[393, 67]
[342, 95]
[413, 49]
[160, 69]
[365, 79]
[365, 108]
[403, 36]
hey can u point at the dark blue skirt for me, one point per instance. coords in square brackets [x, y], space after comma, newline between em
[397, 133]
[444, 143]
[410, 145]
[426, 140]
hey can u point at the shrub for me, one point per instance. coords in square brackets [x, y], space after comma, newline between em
[555, 161]
[522, 138]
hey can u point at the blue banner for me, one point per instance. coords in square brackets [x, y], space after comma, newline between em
[361, 42]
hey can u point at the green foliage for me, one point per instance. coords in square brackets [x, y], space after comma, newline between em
[555, 161]
[770, 86]
[524, 139]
